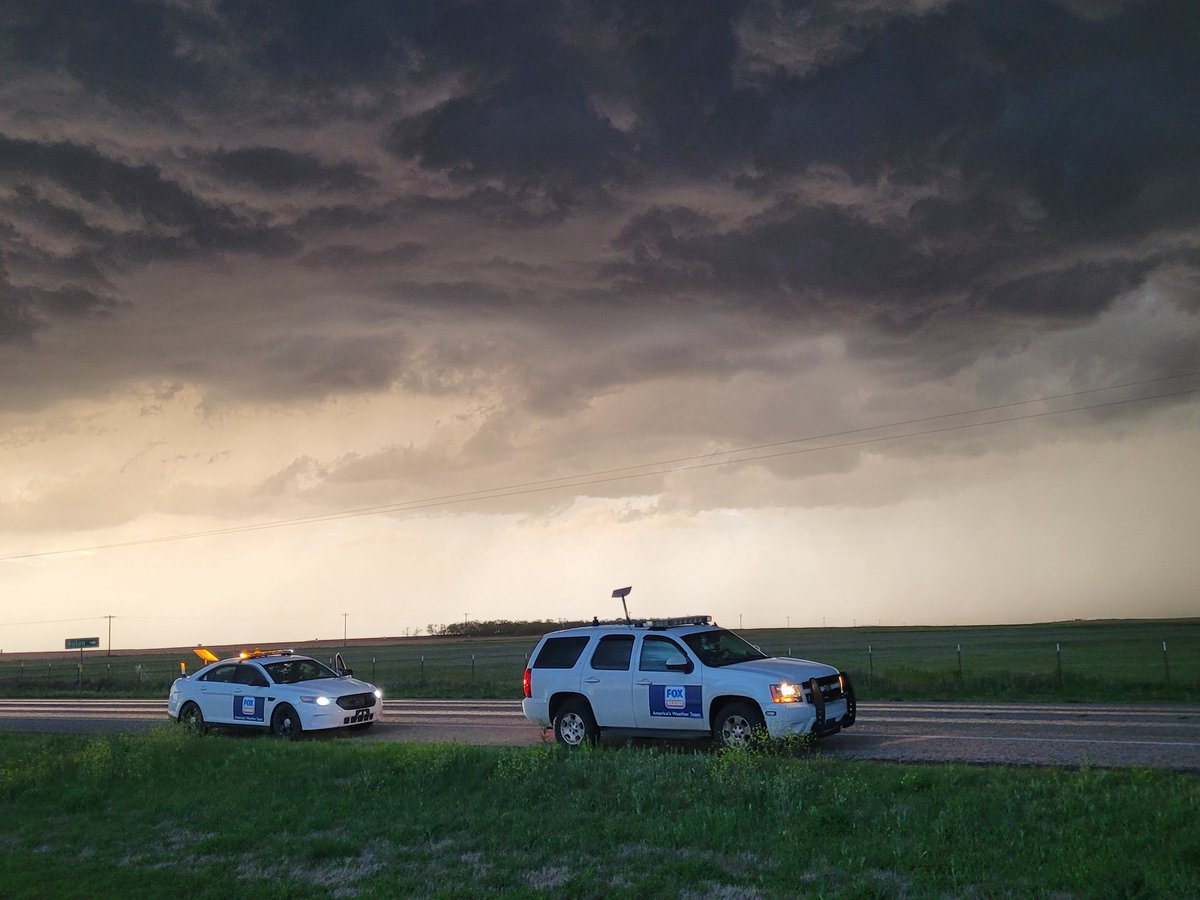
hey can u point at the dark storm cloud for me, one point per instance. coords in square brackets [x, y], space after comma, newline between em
[276, 169]
[1080, 291]
[924, 175]
[126, 51]
[347, 256]
[17, 321]
[162, 219]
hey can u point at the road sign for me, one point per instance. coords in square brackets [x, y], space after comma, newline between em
[81, 643]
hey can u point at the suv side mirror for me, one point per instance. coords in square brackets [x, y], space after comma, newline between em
[679, 664]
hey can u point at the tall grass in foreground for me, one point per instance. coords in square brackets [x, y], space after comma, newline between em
[174, 814]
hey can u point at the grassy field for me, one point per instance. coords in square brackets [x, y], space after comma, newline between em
[1072, 661]
[173, 814]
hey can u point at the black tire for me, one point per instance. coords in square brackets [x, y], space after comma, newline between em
[191, 718]
[285, 723]
[574, 725]
[736, 723]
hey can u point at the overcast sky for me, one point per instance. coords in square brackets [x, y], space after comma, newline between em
[523, 302]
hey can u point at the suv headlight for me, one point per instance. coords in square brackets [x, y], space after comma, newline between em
[786, 692]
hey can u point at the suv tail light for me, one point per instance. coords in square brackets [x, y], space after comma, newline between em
[525, 683]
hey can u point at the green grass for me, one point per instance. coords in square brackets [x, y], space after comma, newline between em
[175, 814]
[1115, 661]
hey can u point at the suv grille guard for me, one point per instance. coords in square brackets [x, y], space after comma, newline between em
[823, 690]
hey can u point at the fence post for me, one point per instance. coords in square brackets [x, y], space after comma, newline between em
[960, 672]
[871, 665]
[422, 670]
[1166, 667]
[1058, 662]
[372, 670]
[472, 666]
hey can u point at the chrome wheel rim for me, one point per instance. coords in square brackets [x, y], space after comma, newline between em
[572, 729]
[736, 731]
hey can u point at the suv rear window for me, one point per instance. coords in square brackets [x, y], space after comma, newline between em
[613, 652]
[560, 653]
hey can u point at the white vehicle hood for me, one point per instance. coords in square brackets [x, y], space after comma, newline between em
[782, 668]
[334, 687]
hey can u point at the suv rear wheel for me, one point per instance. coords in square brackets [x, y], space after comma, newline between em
[574, 724]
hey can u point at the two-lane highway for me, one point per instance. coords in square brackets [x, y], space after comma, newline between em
[1165, 737]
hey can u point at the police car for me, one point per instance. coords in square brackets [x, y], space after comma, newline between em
[678, 677]
[275, 690]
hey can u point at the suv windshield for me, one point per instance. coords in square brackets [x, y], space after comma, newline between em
[722, 648]
[291, 671]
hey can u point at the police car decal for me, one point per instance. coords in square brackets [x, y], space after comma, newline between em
[676, 701]
[248, 709]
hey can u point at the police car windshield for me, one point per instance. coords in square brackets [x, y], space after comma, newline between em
[721, 648]
[293, 671]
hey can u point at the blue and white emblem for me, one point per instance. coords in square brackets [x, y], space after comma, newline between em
[248, 709]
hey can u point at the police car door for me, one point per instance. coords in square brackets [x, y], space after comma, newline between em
[249, 696]
[606, 681]
[214, 693]
[667, 692]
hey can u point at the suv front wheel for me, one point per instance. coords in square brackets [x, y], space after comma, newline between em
[736, 723]
[574, 724]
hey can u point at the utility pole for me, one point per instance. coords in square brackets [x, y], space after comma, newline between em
[110, 618]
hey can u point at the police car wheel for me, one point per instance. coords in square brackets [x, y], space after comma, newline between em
[191, 717]
[285, 723]
[736, 724]
[575, 725]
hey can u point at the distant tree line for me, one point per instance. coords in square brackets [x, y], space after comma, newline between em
[506, 627]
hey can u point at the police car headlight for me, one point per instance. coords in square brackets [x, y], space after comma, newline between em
[378, 694]
[786, 693]
[319, 700]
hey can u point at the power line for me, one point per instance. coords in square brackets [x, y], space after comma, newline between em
[50, 621]
[660, 467]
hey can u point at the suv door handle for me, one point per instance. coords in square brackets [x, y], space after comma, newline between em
[643, 681]
[591, 679]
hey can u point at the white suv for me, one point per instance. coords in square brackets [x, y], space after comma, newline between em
[678, 678]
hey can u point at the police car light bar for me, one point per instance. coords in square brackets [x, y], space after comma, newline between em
[255, 653]
[682, 620]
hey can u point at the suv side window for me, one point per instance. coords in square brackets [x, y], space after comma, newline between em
[223, 674]
[613, 652]
[250, 675]
[655, 653]
[560, 653]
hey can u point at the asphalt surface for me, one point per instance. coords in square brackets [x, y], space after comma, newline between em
[1165, 737]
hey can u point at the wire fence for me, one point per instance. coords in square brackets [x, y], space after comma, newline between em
[896, 665]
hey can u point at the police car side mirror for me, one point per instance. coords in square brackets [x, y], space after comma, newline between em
[346, 672]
